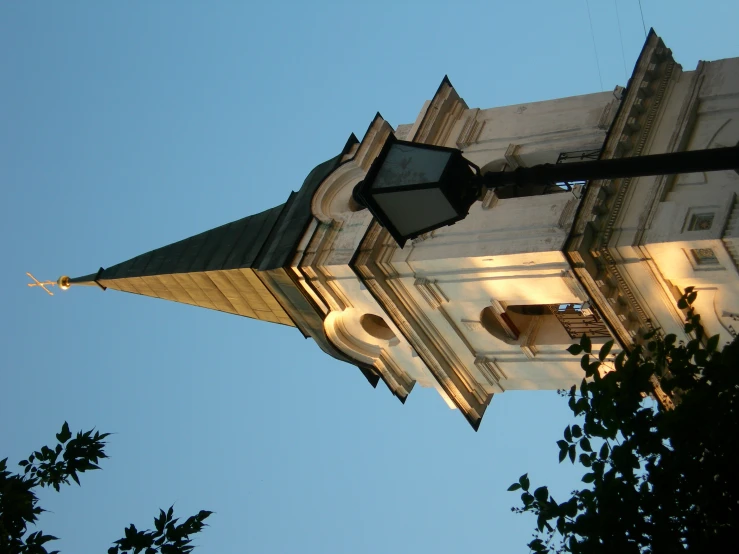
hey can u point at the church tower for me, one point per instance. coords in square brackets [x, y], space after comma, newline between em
[491, 303]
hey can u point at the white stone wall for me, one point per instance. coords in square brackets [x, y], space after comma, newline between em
[688, 235]
[506, 252]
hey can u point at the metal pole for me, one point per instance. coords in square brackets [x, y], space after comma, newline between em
[693, 161]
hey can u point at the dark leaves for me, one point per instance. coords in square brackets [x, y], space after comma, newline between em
[53, 467]
[605, 350]
[668, 474]
[585, 343]
[574, 349]
[524, 481]
[65, 434]
[541, 494]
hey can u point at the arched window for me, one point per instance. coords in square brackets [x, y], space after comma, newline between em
[499, 325]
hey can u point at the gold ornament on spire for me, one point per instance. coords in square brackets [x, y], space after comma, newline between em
[42, 284]
[63, 283]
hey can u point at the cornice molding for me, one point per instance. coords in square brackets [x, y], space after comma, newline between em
[588, 246]
[445, 109]
[471, 129]
[372, 266]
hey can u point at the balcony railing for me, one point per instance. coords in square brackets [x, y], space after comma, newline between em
[577, 156]
[578, 319]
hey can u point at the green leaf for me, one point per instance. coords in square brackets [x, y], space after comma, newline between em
[568, 434]
[585, 343]
[588, 478]
[576, 431]
[592, 368]
[65, 434]
[574, 349]
[541, 494]
[562, 455]
[524, 481]
[682, 304]
[46, 538]
[572, 451]
[514, 487]
[585, 362]
[689, 289]
[585, 444]
[712, 343]
[692, 296]
[604, 451]
[585, 460]
[562, 444]
[605, 350]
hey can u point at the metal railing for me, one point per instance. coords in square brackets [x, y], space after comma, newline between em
[577, 156]
[578, 319]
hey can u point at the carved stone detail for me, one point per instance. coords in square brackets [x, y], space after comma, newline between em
[471, 130]
[489, 200]
[431, 292]
[511, 156]
[491, 371]
[472, 325]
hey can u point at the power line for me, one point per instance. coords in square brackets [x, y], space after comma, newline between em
[595, 48]
[642, 20]
[620, 36]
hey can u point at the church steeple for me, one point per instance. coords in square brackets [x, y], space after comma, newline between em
[215, 269]
[227, 268]
[242, 268]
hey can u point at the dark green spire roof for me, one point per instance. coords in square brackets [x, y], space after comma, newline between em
[241, 268]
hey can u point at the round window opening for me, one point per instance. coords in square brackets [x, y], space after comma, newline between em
[376, 326]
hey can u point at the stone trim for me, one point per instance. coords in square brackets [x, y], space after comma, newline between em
[471, 129]
[442, 114]
[587, 248]
[431, 292]
[491, 371]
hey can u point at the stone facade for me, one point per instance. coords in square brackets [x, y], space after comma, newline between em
[491, 303]
[638, 243]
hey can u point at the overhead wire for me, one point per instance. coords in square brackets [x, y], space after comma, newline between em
[595, 48]
[621, 37]
[642, 19]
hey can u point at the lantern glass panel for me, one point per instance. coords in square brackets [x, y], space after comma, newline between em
[410, 165]
[414, 211]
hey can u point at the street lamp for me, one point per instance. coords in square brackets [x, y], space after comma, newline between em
[414, 188]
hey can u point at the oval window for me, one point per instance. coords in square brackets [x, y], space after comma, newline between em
[376, 326]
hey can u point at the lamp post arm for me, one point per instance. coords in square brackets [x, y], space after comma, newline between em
[692, 161]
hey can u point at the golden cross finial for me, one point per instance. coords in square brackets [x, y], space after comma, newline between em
[43, 284]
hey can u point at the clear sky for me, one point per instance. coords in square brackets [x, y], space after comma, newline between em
[125, 126]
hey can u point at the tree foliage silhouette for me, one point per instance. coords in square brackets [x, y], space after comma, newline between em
[657, 480]
[54, 467]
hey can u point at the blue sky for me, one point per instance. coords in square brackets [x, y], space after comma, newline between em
[129, 125]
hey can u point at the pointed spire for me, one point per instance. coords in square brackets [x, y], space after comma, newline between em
[90, 280]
